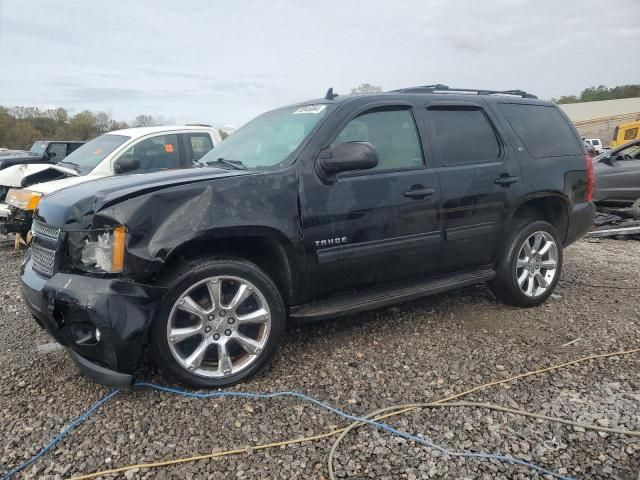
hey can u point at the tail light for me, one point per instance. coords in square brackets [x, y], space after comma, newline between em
[591, 178]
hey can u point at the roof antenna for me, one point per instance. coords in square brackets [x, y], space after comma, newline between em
[330, 95]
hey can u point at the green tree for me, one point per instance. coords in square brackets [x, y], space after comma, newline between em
[366, 88]
[601, 92]
[83, 126]
[21, 136]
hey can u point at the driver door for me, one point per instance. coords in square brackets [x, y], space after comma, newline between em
[373, 227]
[156, 153]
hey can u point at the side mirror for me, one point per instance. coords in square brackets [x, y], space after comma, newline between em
[346, 157]
[607, 159]
[126, 164]
[50, 155]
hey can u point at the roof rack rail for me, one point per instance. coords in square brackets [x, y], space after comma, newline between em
[439, 88]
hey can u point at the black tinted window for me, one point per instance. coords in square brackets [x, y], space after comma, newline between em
[542, 129]
[464, 136]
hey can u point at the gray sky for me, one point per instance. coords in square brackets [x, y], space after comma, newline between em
[224, 62]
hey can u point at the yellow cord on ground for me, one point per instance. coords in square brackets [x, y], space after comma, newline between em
[343, 431]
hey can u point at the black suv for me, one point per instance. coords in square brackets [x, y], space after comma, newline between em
[42, 151]
[315, 210]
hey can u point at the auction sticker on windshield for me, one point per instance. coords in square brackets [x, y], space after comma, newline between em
[310, 109]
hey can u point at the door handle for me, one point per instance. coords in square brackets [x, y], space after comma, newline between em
[506, 180]
[419, 192]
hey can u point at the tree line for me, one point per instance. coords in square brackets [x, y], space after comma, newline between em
[601, 92]
[21, 126]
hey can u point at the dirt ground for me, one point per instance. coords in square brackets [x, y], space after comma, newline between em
[414, 352]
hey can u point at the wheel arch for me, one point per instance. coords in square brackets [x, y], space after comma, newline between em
[551, 206]
[268, 248]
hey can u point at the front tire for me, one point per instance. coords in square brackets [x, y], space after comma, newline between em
[531, 264]
[219, 324]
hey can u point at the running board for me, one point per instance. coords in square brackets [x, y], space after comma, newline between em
[382, 296]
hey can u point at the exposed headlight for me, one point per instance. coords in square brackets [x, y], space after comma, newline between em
[98, 250]
[23, 199]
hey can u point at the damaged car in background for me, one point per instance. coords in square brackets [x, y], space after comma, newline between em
[42, 151]
[618, 175]
[131, 150]
[617, 194]
[311, 211]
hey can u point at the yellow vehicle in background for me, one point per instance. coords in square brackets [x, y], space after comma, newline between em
[625, 132]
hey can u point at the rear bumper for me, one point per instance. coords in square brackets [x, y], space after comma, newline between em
[71, 307]
[580, 221]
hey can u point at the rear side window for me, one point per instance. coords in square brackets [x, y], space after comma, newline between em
[542, 129]
[464, 136]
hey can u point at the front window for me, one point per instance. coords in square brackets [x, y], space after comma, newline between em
[156, 153]
[393, 134]
[268, 140]
[89, 155]
[57, 151]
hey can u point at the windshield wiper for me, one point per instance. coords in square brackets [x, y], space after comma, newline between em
[235, 164]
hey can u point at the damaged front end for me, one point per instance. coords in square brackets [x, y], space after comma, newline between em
[103, 320]
[17, 202]
[14, 220]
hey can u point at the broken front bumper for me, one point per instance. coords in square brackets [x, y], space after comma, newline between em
[14, 220]
[104, 322]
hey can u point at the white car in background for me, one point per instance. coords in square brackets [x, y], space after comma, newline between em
[596, 143]
[121, 151]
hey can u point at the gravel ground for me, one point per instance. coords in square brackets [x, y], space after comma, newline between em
[414, 352]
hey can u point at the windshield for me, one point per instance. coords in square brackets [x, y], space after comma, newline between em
[629, 153]
[89, 155]
[38, 148]
[267, 140]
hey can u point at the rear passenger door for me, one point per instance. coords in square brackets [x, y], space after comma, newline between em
[479, 177]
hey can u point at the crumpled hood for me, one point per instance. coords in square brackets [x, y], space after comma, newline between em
[74, 208]
[18, 175]
[54, 185]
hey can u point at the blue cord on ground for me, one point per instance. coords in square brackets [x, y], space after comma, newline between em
[91, 410]
[264, 396]
[381, 426]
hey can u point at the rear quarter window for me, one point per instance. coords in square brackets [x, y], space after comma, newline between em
[542, 129]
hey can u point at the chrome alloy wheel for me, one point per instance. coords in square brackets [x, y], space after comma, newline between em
[219, 326]
[537, 264]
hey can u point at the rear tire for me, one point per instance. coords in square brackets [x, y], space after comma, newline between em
[220, 323]
[530, 266]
